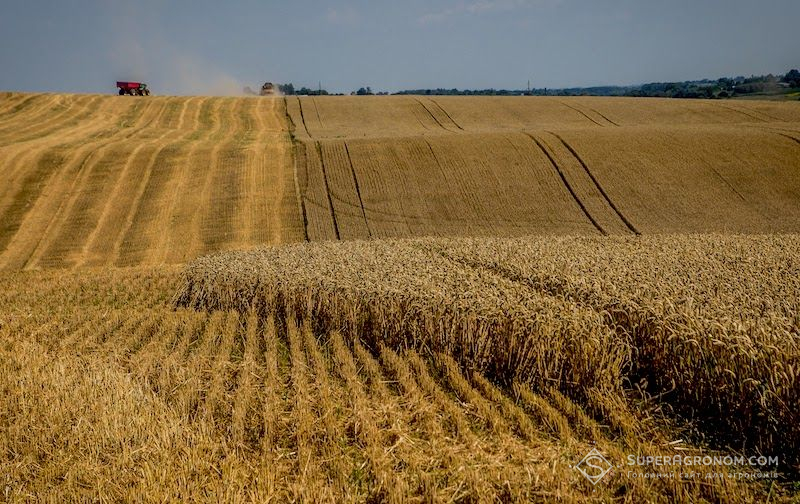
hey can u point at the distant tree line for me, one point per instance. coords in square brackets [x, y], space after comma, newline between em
[725, 87]
[289, 89]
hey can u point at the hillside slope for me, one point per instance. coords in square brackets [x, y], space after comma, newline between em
[101, 180]
[89, 180]
[415, 166]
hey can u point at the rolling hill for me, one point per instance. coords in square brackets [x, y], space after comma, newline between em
[90, 180]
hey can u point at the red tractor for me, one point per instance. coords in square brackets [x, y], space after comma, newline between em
[133, 88]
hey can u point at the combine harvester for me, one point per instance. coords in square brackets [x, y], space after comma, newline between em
[268, 89]
[133, 88]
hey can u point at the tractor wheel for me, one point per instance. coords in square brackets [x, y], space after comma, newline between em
[121, 91]
[147, 92]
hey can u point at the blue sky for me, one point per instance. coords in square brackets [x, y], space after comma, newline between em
[200, 47]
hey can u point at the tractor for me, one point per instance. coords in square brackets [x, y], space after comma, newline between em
[133, 88]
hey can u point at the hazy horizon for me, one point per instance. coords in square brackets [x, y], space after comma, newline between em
[207, 47]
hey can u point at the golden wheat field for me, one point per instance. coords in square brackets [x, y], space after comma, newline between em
[397, 299]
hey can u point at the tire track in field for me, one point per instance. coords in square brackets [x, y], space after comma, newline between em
[750, 113]
[414, 111]
[344, 195]
[431, 114]
[725, 181]
[315, 195]
[603, 116]
[399, 217]
[327, 188]
[298, 191]
[581, 112]
[316, 109]
[599, 187]
[446, 113]
[294, 147]
[566, 183]
[358, 189]
[789, 137]
[303, 117]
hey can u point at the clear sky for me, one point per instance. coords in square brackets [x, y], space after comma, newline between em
[217, 46]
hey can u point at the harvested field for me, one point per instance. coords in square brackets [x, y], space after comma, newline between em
[98, 180]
